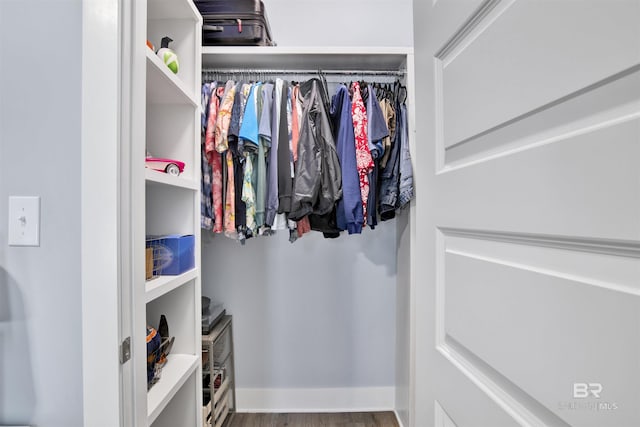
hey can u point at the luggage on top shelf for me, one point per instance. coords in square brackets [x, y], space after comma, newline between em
[234, 23]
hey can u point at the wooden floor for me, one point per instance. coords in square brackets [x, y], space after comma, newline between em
[346, 419]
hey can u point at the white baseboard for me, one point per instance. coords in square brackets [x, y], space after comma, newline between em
[398, 418]
[357, 399]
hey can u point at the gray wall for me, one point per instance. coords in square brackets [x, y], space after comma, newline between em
[40, 292]
[316, 313]
[341, 22]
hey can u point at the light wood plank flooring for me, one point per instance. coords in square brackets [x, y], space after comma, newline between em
[346, 419]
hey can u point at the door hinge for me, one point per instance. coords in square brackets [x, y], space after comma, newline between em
[125, 350]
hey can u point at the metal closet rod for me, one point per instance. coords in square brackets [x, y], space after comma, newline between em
[392, 73]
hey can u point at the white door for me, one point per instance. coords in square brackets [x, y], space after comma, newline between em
[526, 299]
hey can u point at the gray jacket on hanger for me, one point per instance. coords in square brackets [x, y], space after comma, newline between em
[318, 179]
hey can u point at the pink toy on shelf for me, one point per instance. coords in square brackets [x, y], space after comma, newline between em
[170, 166]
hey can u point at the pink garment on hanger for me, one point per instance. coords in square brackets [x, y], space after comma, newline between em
[214, 159]
[224, 118]
[364, 161]
[222, 146]
[230, 206]
[303, 226]
[295, 126]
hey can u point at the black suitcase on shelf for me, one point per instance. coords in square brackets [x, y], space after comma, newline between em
[234, 23]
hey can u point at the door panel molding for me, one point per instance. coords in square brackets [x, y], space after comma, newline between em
[475, 101]
[524, 409]
[470, 30]
[516, 321]
[578, 277]
[552, 190]
[442, 419]
[606, 103]
[619, 248]
[468, 331]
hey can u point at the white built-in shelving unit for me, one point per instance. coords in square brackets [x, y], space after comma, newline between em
[166, 123]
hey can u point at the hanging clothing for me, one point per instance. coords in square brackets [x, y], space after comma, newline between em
[390, 177]
[363, 155]
[377, 131]
[249, 195]
[239, 102]
[224, 117]
[349, 214]
[222, 146]
[230, 199]
[249, 134]
[236, 147]
[285, 180]
[215, 159]
[249, 121]
[205, 96]
[295, 123]
[206, 200]
[248, 149]
[265, 106]
[318, 181]
[290, 135]
[406, 169]
[272, 169]
[389, 117]
[281, 156]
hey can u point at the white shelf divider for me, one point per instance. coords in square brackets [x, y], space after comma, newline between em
[153, 176]
[161, 285]
[174, 374]
[165, 87]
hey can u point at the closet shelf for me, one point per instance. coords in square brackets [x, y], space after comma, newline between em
[161, 285]
[164, 87]
[297, 58]
[174, 374]
[172, 9]
[155, 177]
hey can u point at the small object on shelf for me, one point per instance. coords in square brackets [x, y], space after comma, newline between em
[153, 344]
[205, 302]
[167, 55]
[217, 382]
[163, 327]
[171, 166]
[211, 314]
[173, 254]
[158, 348]
[148, 254]
[151, 46]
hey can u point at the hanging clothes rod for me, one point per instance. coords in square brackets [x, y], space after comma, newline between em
[245, 71]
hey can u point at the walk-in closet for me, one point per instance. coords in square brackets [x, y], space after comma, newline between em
[320, 324]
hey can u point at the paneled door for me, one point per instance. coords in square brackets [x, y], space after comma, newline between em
[527, 261]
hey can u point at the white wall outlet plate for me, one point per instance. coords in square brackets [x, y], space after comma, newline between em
[24, 221]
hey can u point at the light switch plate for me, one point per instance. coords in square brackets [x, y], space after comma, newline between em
[24, 221]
